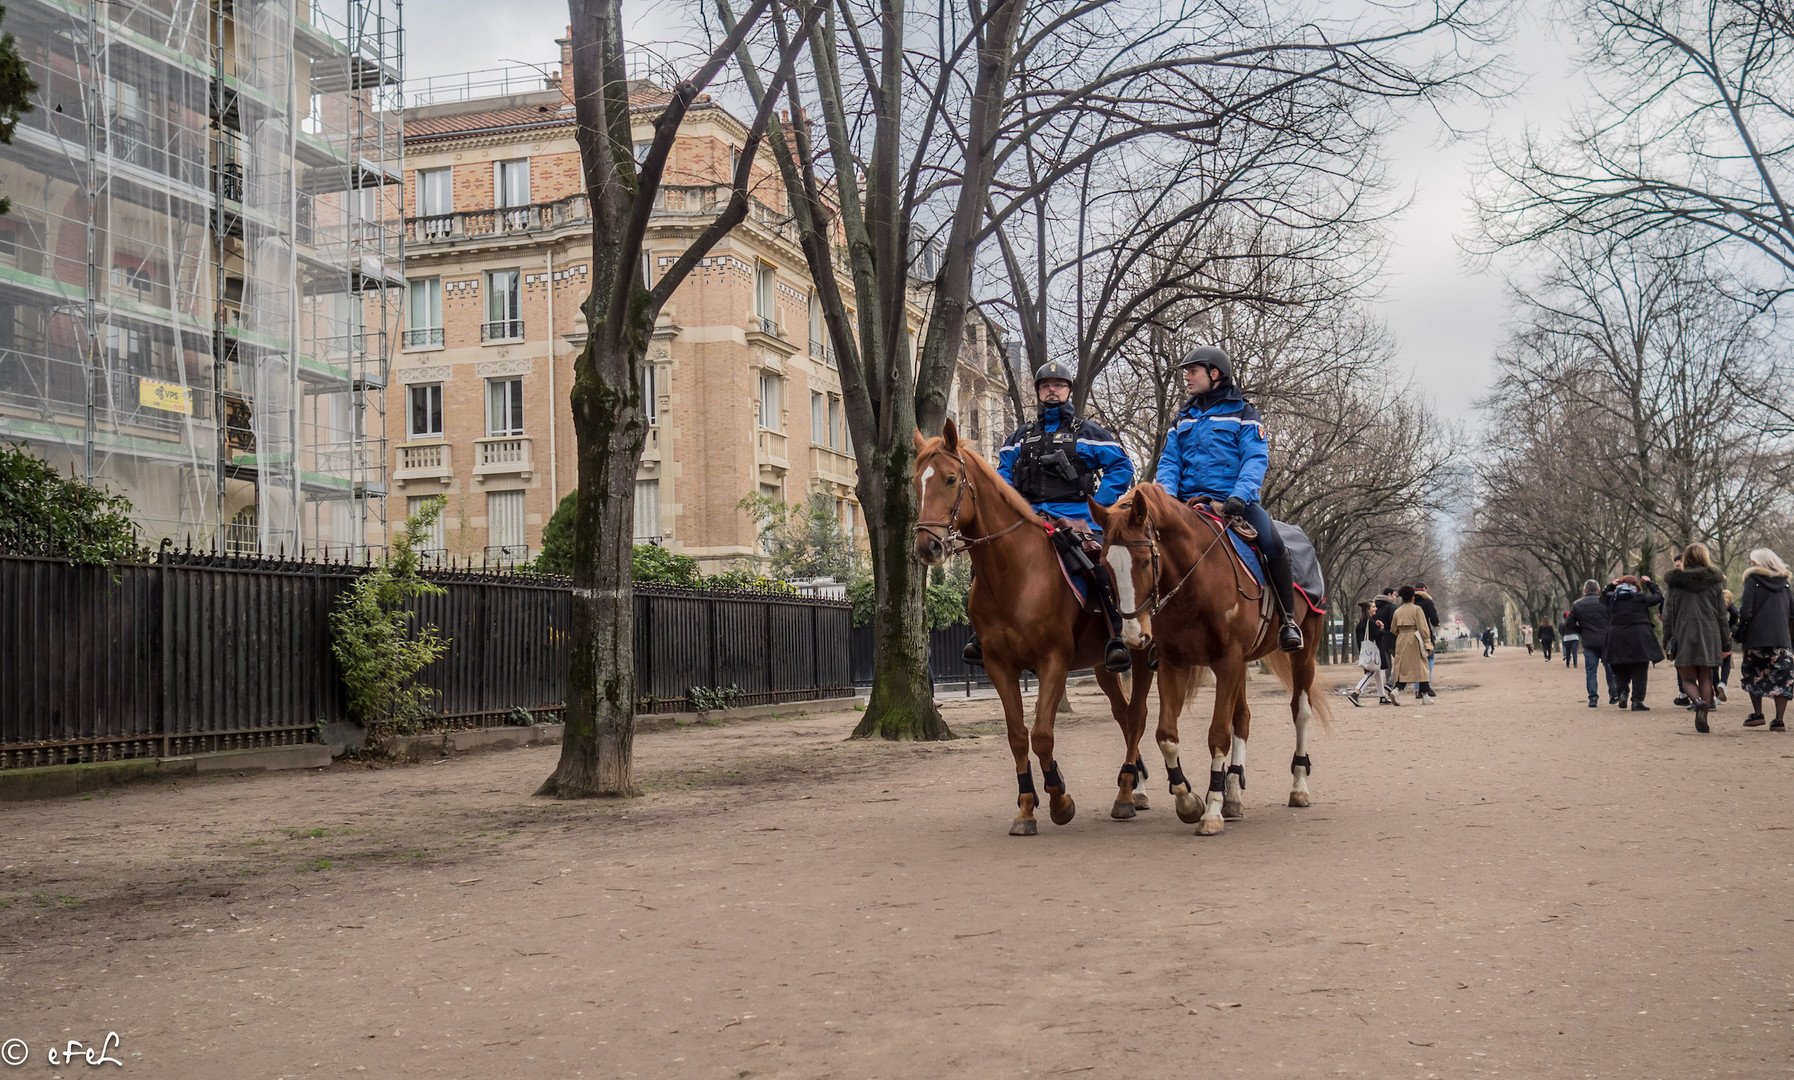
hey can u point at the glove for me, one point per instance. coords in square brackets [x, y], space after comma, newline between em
[1233, 507]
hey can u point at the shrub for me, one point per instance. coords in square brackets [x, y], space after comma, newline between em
[373, 640]
[45, 513]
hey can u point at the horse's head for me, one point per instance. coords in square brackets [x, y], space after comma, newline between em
[942, 494]
[1130, 547]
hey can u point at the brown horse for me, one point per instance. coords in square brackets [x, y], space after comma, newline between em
[1025, 614]
[1182, 588]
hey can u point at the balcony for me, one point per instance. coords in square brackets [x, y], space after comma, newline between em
[424, 460]
[503, 455]
[501, 330]
[522, 221]
[832, 465]
[770, 449]
[651, 444]
[506, 554]
[428, 337]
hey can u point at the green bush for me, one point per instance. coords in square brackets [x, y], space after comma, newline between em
[375, 645]
[45, 513]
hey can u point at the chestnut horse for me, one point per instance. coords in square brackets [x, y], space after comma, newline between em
[1182, 588]
[1026, 617]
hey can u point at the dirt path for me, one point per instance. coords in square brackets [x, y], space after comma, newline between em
[1506, 882]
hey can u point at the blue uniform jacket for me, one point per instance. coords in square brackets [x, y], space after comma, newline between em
[1100, 451]
[1218, 450]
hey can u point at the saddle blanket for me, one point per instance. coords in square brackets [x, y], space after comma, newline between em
[1305, 565]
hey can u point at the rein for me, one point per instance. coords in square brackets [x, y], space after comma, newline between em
[1155, 600]
[947, 532]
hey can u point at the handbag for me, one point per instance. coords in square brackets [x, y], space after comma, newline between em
[1370, 658]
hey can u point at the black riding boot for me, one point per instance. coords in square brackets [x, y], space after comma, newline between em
[1289, 635]
[973, 652]
[1116, 657]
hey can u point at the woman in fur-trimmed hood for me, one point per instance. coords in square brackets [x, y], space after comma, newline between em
[1695, 632]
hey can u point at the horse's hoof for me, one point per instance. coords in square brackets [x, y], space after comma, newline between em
[1141, 802]
[1024, 827]
[1209, 826]
[1189, 809]
[1298, 798]
[1233, 811]
[1061, 817]
[1122, 810]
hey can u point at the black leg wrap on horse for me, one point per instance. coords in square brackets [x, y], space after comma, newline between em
[1025, 782]
[1142, 768]
[1302, 760]
[1127, 776]
[1239, 771]
[1175, 775]
[1217, 781]
[1051, 779]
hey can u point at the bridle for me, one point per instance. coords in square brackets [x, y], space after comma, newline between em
[1155, 601]
[947, 532]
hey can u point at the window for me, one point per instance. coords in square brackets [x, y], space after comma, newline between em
[837, 429]
[504, 526]
[647, 511]
[763, 299]
[651, 394]
[647, 270]
[436, 540]
[426, 411]
[641, 151]
[504, 407]
[504, 307]
[510, 193]
[771, 401]
[818, 342]
[819, 419]
[130, 134]
[134, 277]
[423, 313]
[435, 194]
[313, 124]
[734, 161]
[128, 349]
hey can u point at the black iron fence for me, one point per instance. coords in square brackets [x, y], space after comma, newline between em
[192, 653]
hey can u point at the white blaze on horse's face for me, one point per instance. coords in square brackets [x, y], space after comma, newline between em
[1135, 632]
[929, 548]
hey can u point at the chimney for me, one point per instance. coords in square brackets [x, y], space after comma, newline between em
[566, 71]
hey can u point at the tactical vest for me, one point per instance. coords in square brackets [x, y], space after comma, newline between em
[1048, 467]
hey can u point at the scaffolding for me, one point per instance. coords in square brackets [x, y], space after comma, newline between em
[200, 278]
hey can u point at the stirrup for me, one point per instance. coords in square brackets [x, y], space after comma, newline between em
[1289, 636]
[1116, 657]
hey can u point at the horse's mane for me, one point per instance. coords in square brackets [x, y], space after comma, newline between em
[984, 472]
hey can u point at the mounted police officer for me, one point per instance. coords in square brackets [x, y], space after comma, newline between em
[1056, 462]
[1217, 450]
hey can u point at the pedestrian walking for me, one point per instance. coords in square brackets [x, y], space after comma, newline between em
[1526, 636]
[1370, 655]
[1694, 626]
[1547, 638]
[1767, 670]
[1413, 643]
[1385, 618]
[1631, 642]
[1589, 616]
[1424, 601]
[1571, 639]
[1488, 641]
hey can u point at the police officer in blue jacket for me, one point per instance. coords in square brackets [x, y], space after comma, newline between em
[1057, 462]
[1217, 451]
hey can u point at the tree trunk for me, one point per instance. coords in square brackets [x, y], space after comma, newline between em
[902, 702]
[596, 747]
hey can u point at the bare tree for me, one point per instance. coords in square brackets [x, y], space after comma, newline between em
[597, 748]
[1694, 126]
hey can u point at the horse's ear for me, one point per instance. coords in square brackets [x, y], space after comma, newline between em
[1098, 513]
[920, 442]
[950, 436]
[1136, 509]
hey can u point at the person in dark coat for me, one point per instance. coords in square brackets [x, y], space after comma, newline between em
[1384, 621]
[1546, 635]
[1425, 600]
[1725, 662]
[1694, 625]
[1368, 629]
[1488, 641]
[1570, 638]
[1768, 667]
[1589, 617]
[1631, 642]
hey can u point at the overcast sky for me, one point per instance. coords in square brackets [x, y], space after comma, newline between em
[1446, 315]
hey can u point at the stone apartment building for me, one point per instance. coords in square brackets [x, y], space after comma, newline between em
[743, 395]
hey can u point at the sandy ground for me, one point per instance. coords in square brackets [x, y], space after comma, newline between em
[1506, 882]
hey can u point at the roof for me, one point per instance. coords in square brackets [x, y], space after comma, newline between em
[518, 118]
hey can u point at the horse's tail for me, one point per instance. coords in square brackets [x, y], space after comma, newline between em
[1319, 689]
[1199, 676]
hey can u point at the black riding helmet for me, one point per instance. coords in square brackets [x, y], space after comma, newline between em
[1210, 357]
[1052, 369]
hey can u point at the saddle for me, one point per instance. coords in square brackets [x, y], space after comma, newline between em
[1237, 525]
[1079, 551]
